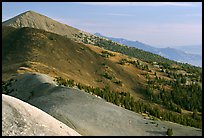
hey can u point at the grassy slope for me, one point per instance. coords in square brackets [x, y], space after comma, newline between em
[58, 56]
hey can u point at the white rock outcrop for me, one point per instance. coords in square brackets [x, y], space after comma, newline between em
[22, 119]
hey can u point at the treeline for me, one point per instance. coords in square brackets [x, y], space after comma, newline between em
[188, 96]
[113, 46]
[196, 77]
[5, 86]
[184, 96]
[125, 100]
[136, 63]
[107, 54]
[130, 51]
[194, 72]
[144, 55]
[162, 98]
[137, 53]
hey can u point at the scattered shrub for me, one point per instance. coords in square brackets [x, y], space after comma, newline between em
[169, 132]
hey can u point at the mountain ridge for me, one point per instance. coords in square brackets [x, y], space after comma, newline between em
[39, 21]
[90, 62]
[170, 53]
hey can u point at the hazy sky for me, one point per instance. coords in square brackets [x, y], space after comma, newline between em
[160, 24]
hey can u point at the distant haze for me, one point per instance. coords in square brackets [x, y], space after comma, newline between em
[159, 24]
[186, 54]
[192, 49]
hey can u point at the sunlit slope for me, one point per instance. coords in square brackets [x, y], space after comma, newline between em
[39, 21]
[22, 119]
[35, 50]
[86, 113]
[160, 85]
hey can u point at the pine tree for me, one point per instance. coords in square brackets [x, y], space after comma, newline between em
[169, 132]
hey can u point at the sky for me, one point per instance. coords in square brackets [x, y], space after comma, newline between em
[160, 24]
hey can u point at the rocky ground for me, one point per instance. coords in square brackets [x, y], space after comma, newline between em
[86, 113]
[22, 119]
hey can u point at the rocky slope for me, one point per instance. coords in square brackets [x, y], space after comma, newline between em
[86, 113]
[38, 21]
[22, 119]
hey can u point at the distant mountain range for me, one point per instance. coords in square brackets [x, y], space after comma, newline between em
[170, 53]
[191, 49]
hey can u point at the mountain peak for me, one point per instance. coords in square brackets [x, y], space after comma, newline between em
[36, 20]
[98, 34]
[30, 11]
[27, 13]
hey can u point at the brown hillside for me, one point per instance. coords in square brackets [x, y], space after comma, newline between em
[35, 50]
[37, 43]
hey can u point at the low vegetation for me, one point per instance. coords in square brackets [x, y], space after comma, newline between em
[107, 54]
[136, 63]
[169, 132]
[6, 86]
[148, 57]
[119, 82]
[107, 76]
[113, 46]
[124, 99]
[181, 94]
